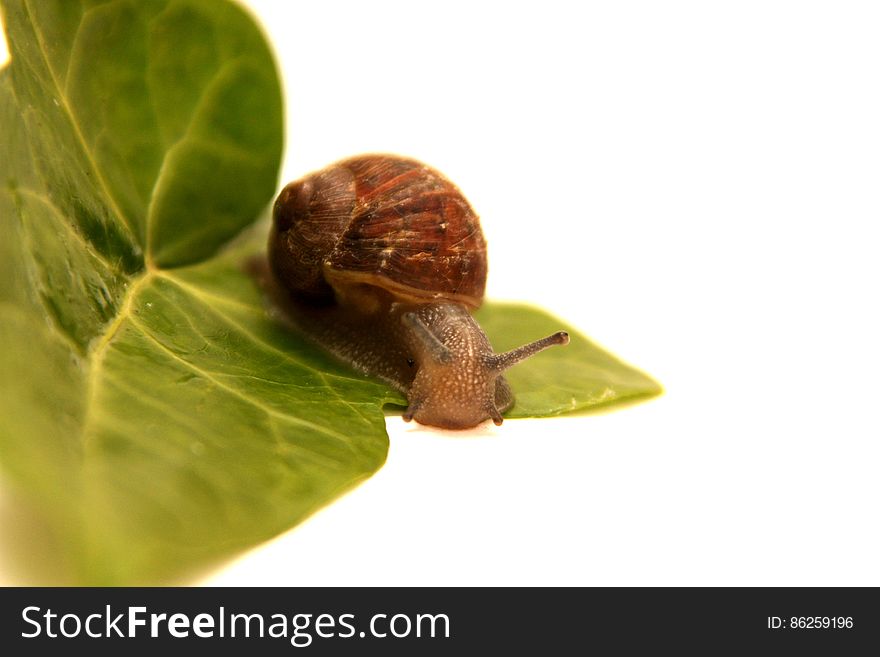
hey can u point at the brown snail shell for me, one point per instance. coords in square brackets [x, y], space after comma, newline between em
[379, 220]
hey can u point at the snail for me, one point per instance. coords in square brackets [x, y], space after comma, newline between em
[381, 260]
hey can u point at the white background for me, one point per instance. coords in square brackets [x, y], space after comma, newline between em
[695, 186]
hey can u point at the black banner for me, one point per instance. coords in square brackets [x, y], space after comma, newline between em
[441, 621]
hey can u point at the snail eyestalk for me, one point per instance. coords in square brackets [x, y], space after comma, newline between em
[439, 351]
[409, 412]
[495, 415]
[501, 362]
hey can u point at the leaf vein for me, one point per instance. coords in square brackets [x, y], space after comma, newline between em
[195, 292]
[62, 94]
[236, 392]
[164, 169]
[89, 247]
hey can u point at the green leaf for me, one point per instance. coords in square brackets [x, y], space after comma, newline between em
[152, 412]
[156, 126]
[578, 377]
[155, 415]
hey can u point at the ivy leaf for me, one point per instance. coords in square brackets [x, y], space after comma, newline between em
[152, 411]
[578, 377]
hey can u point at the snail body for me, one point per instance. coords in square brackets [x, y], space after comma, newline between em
[382, 260]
